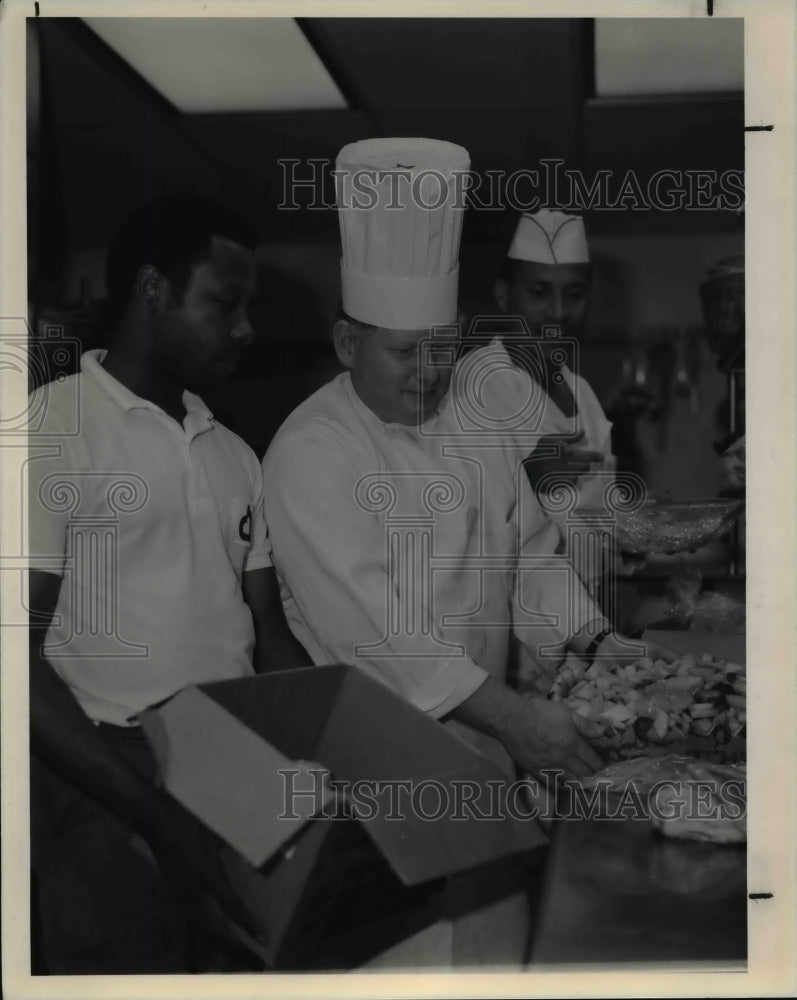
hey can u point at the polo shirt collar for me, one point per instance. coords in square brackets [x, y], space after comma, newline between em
[91, 365]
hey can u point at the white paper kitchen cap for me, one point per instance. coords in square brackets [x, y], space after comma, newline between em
[550, 237]
[400, 205]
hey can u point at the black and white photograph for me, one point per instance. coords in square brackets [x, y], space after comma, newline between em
[378, 530]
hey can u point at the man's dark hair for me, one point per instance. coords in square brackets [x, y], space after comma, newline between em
[172, 233]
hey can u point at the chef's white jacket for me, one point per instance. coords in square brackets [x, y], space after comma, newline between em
[397, 547]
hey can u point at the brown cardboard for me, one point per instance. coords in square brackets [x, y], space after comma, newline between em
[198, 773]
[333, 891]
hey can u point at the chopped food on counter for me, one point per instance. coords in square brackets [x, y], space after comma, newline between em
[648, 708]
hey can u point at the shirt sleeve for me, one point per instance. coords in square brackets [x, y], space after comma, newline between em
[259, 554]
[331, 555]
[54, 486]
[549, 591]
[550, 604]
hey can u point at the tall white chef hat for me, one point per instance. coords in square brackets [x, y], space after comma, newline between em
[550, 237]
[400, 205]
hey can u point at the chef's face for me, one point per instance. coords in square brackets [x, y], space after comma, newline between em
[203, 329]
[401, 375]
[547, 295]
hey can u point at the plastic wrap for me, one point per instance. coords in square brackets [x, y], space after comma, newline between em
[674, 525]
[685, 798]
[702, 611]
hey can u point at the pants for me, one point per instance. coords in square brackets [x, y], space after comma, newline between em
[102, 905]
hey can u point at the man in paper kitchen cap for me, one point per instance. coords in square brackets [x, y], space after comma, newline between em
[408, 454]
[546, 280]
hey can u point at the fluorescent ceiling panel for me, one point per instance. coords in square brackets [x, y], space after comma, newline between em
[668, 55]
[205, 65]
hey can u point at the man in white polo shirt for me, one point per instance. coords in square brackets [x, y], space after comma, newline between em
[150, 569]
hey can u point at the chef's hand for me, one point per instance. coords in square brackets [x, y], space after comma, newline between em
[546, 739]
[537, 734]
[570, 462]
[654, 651]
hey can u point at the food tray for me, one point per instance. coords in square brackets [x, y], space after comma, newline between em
[668, 526]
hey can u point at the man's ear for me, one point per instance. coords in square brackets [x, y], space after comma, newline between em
[150, 288]
[345, 337]
[501, 294]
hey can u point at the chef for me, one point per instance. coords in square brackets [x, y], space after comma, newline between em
[398, 509]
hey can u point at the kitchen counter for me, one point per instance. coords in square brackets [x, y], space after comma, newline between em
[617, 892]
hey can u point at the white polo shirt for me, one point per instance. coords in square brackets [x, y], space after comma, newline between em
[151, 525]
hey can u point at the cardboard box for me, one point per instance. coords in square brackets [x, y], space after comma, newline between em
[333, 886]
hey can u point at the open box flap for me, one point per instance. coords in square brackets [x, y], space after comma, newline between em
[288, 708]
[373, 735]
[225, 774]
[446, 843]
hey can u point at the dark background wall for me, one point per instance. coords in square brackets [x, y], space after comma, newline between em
[511, 91]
